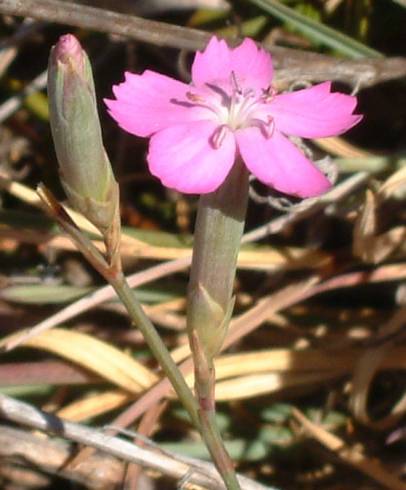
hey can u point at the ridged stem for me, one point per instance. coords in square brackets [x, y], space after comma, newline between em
[218, 231]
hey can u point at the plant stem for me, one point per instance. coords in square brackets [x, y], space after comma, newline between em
[205, 390]
[112, 273]
[213, 440]
[226, 245]
[155, 343]
[218, 230]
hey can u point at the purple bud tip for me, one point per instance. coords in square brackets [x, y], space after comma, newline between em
[68, 48]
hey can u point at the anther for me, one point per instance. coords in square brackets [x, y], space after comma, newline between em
[234, 81]
[267, 127]
[270, 126]
[194, 97]
[268, 94]
[218, 136]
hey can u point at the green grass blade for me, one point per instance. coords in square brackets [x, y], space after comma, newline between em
[326, 35]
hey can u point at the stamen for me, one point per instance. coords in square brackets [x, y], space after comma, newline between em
[267, 127]
[270, 126]
[218, 136]
[194, 97]
[234, 82]
[268, 94]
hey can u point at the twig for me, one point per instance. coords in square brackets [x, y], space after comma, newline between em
[98, 19]
[172, 465]
[50, 455]
[292, 64]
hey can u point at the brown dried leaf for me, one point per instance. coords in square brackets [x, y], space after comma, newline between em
[394, 186]
[351, 455]
[367, 244]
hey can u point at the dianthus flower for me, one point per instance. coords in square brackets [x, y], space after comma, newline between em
[230, 109]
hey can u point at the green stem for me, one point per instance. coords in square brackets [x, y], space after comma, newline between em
[155, 343]
[205, 387]
[218, 451]
[218, 231]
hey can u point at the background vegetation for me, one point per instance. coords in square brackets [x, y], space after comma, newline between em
[311, 390]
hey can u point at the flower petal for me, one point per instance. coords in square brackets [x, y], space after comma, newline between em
[183, 157]
[149, 102]
[214, 63]
[251, 65]
[277, 162]
[314, 112]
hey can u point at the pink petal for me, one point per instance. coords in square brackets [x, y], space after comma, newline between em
[251, 65]
[183, 157]
[277, 162]
[146, 103]
[214, 63]
[314, 112]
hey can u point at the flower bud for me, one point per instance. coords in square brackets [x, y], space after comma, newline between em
[84, 167]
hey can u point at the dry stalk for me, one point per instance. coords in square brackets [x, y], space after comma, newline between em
[169, 464]
[291, 64]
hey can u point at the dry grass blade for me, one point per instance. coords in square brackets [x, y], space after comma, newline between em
[390, 272]
[29, 196]
[351, 456]
[271, 259]
[338, 146]
[93, 405]
[202, 474]
[254, 317]
[92, 300]
[250, 320]
[245, 387]
[268, 259]
[254, 374]
[95, 355]
[366, 368]
[368, 245]
[395, 185]
[40, 372]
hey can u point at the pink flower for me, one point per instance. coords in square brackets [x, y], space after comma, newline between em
[230, 110]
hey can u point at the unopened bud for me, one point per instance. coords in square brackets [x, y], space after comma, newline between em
[84, 167]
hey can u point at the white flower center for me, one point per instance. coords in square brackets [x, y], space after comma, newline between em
[234, 108]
